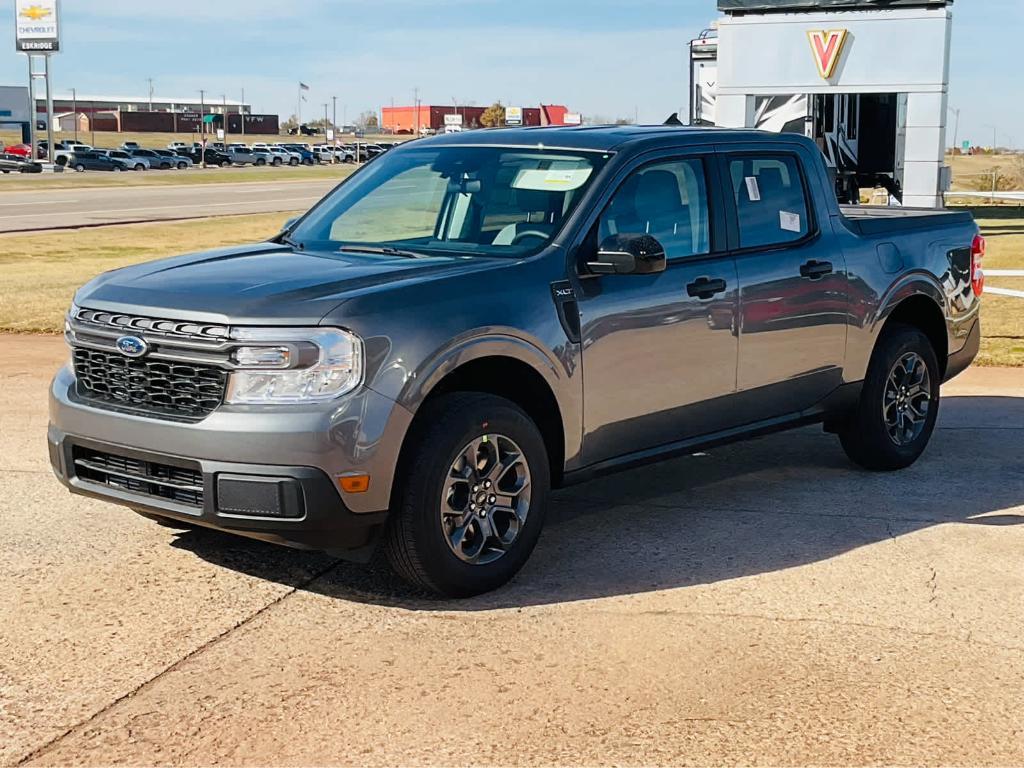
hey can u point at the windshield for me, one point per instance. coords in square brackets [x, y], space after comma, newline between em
[491, 201]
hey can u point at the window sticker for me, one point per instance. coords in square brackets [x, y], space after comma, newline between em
[790, 222]
[753, 190]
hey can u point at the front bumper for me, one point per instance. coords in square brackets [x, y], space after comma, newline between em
[295, 454]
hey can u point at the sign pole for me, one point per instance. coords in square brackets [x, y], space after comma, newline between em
[49, 105]
[32, 115]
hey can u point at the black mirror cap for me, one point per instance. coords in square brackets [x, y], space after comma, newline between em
[629, 254]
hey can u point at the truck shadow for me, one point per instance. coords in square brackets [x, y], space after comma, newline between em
[750, 508]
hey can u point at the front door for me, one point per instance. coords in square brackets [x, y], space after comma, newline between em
[793, 286]
[659, 351]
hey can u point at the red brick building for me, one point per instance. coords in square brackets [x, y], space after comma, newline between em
[405, 119]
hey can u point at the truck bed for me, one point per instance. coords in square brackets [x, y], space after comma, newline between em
[882, 220]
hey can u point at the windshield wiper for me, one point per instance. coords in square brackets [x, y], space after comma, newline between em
[287, 240]
[383, 250]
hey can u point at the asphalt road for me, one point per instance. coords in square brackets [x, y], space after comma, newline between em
[25, 210]
[764, 603]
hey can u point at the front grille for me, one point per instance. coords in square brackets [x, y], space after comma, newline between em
[183, 485]
[153, 326]
[154, 387]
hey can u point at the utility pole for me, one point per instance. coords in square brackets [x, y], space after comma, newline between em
[334, 115]
[241, 112]
[74, 109]
[150, 81]
[224, 120]
[416, 111]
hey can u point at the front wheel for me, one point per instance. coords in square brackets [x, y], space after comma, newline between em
[79, 168]
[140, 167]
[899, 404]
[182, 166]
[473, 498]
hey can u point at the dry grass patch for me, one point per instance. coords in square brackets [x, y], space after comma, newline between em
[42, 271]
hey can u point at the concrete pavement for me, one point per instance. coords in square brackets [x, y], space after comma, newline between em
[764, 603]
[26, 210]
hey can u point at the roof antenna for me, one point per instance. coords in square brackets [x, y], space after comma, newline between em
[673, 119]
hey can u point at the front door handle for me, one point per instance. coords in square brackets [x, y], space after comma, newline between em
[816, 270]
[705, 288]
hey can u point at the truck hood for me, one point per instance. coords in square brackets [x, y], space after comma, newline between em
[262, 283]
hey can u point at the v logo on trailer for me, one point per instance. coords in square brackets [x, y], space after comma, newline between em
[827, 46]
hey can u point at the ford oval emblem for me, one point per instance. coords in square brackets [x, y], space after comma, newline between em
[132, 346]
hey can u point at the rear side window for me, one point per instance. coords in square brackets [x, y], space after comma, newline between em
[770, 201]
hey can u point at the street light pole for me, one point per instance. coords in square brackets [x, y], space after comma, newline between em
[150, 81]
[74, 109]
[202, 128]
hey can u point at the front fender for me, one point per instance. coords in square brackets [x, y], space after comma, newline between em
[556, 368]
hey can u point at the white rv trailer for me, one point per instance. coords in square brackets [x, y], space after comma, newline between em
[866, 79]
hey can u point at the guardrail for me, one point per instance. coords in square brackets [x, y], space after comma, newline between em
[1004, 291]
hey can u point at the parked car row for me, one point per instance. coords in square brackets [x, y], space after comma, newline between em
[130, 156]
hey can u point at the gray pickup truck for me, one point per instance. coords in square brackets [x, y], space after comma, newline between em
[476, 318]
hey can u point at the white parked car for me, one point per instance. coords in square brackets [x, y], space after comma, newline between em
[280, 156]
[134, 162]
[174, 146]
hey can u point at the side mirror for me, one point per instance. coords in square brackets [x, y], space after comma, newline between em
[288, 224]
[629, 255]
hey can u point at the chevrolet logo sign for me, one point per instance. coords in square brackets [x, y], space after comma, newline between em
[36, 12]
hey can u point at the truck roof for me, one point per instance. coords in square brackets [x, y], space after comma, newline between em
[603, 137]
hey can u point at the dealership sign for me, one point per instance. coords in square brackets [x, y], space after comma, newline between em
[37, 26]
[827, 47]
[513, 115]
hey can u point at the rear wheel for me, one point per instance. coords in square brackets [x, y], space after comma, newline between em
[79, 167]
[293, 161]
[182, 166]
[261, 161]
[140, 167]
[899, 404]
[473, 498]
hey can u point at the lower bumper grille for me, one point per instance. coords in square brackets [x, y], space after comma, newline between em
[151, 387]
[183, 485]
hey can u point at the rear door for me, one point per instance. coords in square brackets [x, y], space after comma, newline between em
[659, 351]
[793, 297]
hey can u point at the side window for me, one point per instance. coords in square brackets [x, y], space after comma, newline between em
[770, 202]
[668, 200]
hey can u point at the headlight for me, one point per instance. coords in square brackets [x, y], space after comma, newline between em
[294, 365]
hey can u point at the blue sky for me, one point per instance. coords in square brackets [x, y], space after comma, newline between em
[600, 57]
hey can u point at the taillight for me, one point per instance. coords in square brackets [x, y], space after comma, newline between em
[977, 271]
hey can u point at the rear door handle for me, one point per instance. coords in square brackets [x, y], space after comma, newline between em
[705, 288]
[816, 270]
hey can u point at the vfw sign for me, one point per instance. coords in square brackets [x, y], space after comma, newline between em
[37, 26]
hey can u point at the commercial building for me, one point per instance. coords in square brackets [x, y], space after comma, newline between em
[143, 114]
[14, 109]
[868, 81]
[411, 120]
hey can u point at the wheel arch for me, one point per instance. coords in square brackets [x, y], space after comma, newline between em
[510, 368]
[921, 310]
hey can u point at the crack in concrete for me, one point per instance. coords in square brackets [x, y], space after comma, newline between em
[83, 724]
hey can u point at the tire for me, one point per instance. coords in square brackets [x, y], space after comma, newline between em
[866, 436]
[277, 161]
[293, 162]
[261, 161]
[417, 544]
[117, 169]
[182, 166]
[79, 168]
[140, 167]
